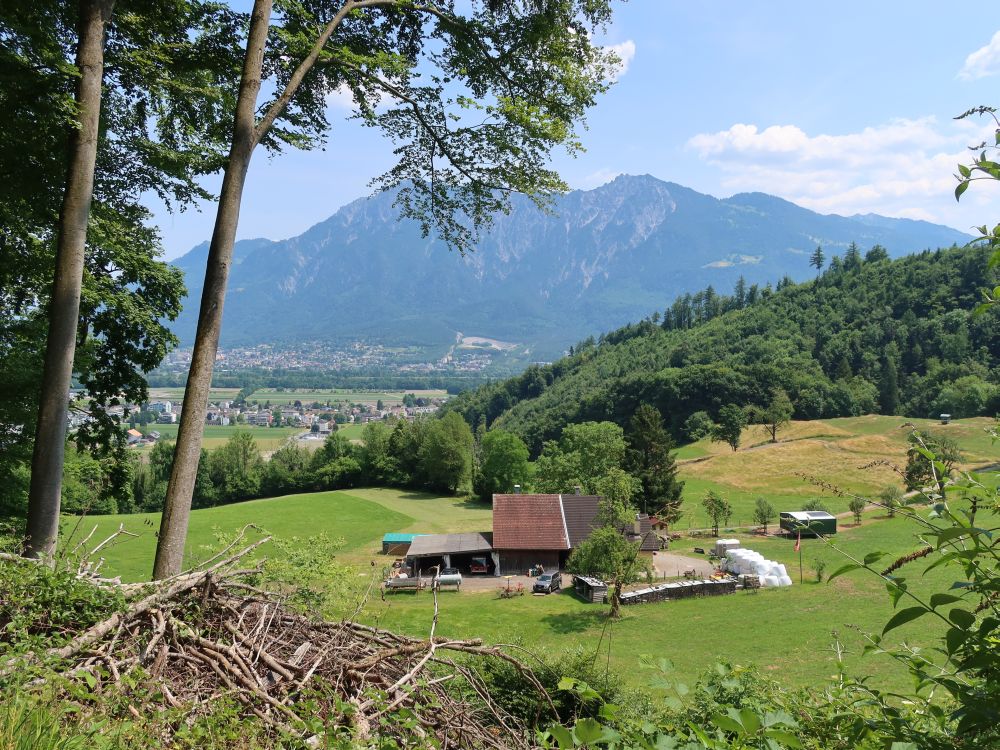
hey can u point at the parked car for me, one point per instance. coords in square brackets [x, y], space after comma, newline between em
[546, 583]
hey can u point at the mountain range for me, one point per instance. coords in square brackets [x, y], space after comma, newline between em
[598, 259]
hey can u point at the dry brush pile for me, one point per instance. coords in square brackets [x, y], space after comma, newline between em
[209, 633]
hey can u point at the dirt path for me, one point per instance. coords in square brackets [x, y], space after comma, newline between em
[672, 565]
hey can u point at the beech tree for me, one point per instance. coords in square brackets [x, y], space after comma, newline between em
[729, 427]
[777, 414]
[91, 123]
[474, 101]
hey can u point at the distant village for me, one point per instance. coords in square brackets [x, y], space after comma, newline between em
[351, 356]
[317, 420]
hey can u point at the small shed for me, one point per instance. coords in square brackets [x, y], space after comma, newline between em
[397, 544]
[808, 522]
[467, 551]
[591, 589]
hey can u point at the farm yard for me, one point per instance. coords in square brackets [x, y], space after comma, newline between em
[788, 632]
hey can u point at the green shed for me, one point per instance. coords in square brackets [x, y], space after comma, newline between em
[397, 544]
[809, 522]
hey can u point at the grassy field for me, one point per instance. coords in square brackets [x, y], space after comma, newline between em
[177, 394]
[336, 395]
[788, 632]
[360, 517]
[837, 451]
[268, 439]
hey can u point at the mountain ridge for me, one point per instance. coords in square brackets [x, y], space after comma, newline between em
[597, 260]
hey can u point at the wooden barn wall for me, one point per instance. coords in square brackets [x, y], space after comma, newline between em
[517, 562]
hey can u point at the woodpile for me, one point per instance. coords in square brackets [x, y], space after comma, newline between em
[680, 590]
[209, 633]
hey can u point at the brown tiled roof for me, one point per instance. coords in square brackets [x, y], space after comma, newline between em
[528, 522]
[580, 510]
[648, 541]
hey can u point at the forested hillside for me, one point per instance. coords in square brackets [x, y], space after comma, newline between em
[868, 335]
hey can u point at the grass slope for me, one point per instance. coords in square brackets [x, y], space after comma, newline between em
[358, 520]
[837, 451]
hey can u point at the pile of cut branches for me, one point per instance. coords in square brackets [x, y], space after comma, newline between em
[211, 633]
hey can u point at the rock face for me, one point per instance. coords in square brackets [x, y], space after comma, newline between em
[598, 259]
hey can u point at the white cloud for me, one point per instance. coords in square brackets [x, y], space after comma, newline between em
[595, 179]
[625, 51]
[985, 61]
[340, 98]
[900, 168]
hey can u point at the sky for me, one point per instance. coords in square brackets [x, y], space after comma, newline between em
[840, 107]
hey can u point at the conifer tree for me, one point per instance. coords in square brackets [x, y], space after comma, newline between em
[650, 458]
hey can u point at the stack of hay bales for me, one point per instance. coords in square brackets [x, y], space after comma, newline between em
[748, 562]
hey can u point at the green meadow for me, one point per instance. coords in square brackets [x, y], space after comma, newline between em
[268, 439]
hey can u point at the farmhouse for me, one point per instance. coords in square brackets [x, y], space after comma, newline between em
[531, 530]
[528, 531]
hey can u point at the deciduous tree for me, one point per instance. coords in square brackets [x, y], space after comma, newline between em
[475, 102]
[763, 513]
[503, 463]
[729, 426]
[718, 509]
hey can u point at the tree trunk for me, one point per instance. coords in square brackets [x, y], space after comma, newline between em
[616, 598]
[177, 506]
[57, 374]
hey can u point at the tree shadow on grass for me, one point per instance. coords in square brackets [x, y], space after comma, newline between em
[576, 622]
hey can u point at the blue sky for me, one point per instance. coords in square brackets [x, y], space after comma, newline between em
[841, 107]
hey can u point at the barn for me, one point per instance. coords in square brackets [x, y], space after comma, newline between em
[530, 530]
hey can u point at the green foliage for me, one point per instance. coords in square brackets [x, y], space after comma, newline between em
[815, 504]
[857, 506]
[503, 463]
[29, 725]
[41, 606]
[891, 497]
[930, 461]
[763, 512]
[718, 509]
[170, 70]
[774, 416]
[446, 454]
[698, 426]
[617, 488]
[584, 453]
[822, 342]
[819, 567]
[729, 426]
[984, 167]
[650, 458]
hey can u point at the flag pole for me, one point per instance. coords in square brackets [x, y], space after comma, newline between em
[798, 547]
